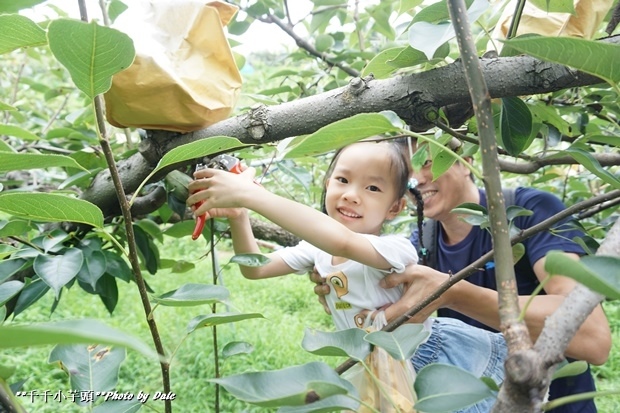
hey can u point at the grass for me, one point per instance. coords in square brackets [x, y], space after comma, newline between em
[287, 303]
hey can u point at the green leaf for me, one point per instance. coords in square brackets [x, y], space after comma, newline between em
[428, 37]
[219, 318]
[116, 266]
[570, 369]
[237, 347]
[51, 208]
[147, 249]
[514, 211]
[442, 160]
[379, 66]
[89, 366]
[16, 131]
[593, 57]
[180, 229]
[342, 133]
[599, 273]
[250, 260]
[151, 228]
[344, 343]
[515, 126]
[443, 388]
[30, 295]
[591, 164]
[26, 161]
[19, 31]
[13, 6]
[406, 5]
[57, 270]
[400, 343]
[91, 53]
[120, 406]
[291, 386]
[93, 268]
[85, 331]
[518, 251]
[190, 295]
[6, 251]
[198, 149]
[555, 6]
[9, 290]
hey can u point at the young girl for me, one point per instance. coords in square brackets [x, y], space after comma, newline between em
[365, 186]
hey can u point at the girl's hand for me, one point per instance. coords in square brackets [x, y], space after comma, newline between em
[218, 193]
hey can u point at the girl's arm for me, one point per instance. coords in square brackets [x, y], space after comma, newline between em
[220, 189]
[244, 243]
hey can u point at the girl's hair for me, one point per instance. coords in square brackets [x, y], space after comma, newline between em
[399, 166]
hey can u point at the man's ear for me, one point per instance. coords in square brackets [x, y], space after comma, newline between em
[396, 208]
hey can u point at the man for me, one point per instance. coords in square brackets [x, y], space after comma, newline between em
[475, 300]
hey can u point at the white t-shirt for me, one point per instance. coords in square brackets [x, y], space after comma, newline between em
[354, 286]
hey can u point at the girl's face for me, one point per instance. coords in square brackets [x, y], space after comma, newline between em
[361, 192]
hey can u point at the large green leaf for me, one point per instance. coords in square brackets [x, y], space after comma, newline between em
[599, 273]
[344, 343]
[189, 295]
[51, 208]
[30, 295]
[24, 161]
[12, 130]
[199, 149]
[341, 133]
[446, 388]
[593, 57]
[85, 331]
[210, 320]
[90, 367]
[13, 6]
[9, 290]
[591, 164]
[250, 260]
[554, 6]
[515, 125]
[335, 403]
[19, 31]
[292, 386]
[194, 150]
[10, 267]
[93, 268]
[91, 53]
[400, 343]
[57, 270]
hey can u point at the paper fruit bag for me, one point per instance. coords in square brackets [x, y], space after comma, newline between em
[184, 77]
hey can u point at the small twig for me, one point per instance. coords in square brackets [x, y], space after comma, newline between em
[288, 29]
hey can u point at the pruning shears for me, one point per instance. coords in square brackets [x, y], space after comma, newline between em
[225, 163]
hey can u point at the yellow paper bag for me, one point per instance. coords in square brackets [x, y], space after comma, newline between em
[584, 23]
[184, 77]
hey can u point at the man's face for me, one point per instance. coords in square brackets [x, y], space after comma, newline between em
[446, 192]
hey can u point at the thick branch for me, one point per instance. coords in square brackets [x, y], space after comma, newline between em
[410, 96]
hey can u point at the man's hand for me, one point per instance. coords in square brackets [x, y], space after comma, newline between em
[419, 282]
[321, 289]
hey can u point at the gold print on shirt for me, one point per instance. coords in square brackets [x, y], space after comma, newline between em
[339, 281]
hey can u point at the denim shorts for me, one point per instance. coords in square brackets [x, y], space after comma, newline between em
[478, 351]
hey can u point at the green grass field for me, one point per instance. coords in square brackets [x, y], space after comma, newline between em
[287, 303]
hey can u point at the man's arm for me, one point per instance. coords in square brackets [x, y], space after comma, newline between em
[592, 342]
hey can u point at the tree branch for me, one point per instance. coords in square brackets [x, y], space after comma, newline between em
[410, 96]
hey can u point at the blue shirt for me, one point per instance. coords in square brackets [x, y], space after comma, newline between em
[453, 258]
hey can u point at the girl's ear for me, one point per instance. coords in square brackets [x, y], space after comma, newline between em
[396, 208]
